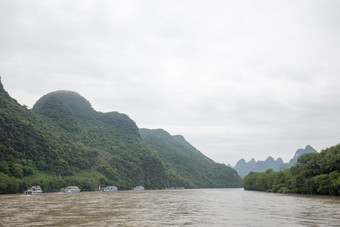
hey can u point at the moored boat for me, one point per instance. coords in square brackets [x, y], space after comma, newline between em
[138, 188]
[34, 190]
[110, 189]
[71, 189]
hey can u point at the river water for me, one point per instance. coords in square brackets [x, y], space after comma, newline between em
[188, 207]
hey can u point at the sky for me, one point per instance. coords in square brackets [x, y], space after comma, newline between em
[238, 79]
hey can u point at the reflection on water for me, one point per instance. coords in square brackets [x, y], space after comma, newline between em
[199, 207]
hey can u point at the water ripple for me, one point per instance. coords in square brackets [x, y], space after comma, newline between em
[199, 207]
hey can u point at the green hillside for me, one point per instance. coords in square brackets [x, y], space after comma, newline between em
[63, 141]
[188, 162]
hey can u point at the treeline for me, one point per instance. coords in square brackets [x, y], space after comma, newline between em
[314, 173]
[10, 184]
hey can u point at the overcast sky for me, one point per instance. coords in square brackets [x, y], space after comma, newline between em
[238, 79]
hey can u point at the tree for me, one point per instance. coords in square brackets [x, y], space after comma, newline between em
[17, 170]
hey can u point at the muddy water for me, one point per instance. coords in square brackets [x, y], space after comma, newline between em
[201, 207]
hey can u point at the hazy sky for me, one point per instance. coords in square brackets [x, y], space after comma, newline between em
[238, 79]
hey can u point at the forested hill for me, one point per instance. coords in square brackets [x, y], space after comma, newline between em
[64, 141]
[188, 162]
[314, 173]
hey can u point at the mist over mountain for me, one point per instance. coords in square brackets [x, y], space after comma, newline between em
[244, 168]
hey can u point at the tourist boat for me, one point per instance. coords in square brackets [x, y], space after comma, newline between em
[71, 189]
[34, 190]
[110, 189]
[138, 188]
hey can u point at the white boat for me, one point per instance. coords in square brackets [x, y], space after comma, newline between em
[34, 190]
[71, 189]
[110, 189]
[138, 188]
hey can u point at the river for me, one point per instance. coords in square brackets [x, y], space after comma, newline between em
[188, 207]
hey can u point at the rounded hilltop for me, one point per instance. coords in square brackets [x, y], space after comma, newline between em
[71, 100]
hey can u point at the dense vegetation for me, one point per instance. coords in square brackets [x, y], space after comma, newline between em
[314, 173]
[188, 162]
[63, 141]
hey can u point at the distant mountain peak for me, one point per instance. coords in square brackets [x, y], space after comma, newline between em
[309, 147]
[279, 161]
[299, 152]
[270, 158]
[241, 162]
[252, 160]
[260, 166]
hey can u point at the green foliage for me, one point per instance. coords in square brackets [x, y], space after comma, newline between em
[8, 184]
[62, 141]
[4, 167]
[314, 173]
[17, 170]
